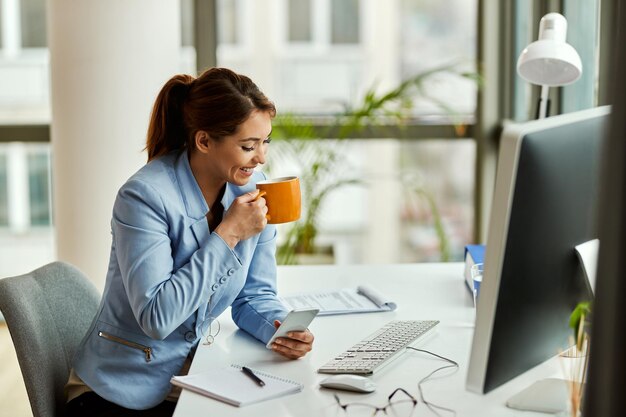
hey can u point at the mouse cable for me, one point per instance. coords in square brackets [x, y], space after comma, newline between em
[432, 406]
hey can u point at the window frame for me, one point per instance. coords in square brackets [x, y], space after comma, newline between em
[503, 29]
[321, 28]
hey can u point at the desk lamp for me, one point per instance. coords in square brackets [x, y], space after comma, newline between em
[549, 61]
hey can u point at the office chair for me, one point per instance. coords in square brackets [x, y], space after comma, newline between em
[48, 311]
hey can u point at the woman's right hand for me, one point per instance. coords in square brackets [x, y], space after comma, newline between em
[245, 217]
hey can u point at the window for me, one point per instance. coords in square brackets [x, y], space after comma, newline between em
[322, 23]
[299, 21]
[345, 22]
[33, 23]
[435, 34]
[522, 37]
[326, 62]
[227, 28]
[437, 209]
[39, 187]
[187, 23]
[411, 201]
[25, 199]
[583, 34]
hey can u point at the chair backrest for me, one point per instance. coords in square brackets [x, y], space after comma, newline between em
[48, 311]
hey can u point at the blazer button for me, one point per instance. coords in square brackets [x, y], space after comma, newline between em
[231, 271]
[215, 287]
[222, 280]
[190, 336]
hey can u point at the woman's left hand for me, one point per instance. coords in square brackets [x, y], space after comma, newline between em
[295, 345]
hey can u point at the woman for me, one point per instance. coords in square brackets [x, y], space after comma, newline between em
[190, 238]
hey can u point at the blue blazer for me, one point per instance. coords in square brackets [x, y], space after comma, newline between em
[164, 268]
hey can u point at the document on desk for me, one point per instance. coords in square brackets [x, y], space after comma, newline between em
[362, 299]
[232, 385]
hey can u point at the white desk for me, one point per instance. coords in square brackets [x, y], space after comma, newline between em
[422, 291]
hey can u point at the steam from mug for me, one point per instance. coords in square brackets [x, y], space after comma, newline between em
[282, 196]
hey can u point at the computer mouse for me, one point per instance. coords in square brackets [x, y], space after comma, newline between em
[349, 383]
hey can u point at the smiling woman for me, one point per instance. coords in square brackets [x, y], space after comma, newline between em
[232, 158]
[190, 239]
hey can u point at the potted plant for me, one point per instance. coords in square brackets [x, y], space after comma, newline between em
[321, 173]
[579, 322]
[321, 161]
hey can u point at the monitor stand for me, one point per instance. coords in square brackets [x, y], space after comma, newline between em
[546, 396]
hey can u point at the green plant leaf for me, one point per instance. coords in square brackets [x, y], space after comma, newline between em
[313, 149]
[583, 308]
[579, 322]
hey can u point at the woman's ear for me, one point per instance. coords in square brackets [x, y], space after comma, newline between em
[202, 141]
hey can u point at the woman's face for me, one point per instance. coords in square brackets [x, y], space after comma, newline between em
[234, 158]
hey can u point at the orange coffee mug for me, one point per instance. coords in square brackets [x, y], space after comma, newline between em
[282, 196]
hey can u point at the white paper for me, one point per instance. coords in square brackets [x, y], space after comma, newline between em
[363, 299]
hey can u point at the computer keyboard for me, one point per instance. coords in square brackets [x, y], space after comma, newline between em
[379, 348]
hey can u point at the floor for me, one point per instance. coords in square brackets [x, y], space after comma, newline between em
[13, 397]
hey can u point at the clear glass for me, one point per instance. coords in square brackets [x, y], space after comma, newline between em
[434, 34]
[583, 20]
[33, 25]
[345, 24]
[317, 58]
[437, 198]
[227, 29]
[299, 21]
[187, 23]
[26, 235]
[476, 272]
[383, 201]
[39, 188]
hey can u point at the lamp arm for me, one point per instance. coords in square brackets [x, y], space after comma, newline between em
[544, 103]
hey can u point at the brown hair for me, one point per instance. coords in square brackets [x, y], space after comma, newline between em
[217, 102]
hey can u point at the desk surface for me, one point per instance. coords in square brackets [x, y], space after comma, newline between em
[422, 291]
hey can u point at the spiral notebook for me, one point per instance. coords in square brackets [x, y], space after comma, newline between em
[231, 385]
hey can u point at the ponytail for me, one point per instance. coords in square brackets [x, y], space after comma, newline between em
[217, 102]
[167, 131]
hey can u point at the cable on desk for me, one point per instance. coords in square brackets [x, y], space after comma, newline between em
[432, 406]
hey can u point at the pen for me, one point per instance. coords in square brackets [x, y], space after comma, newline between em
[251, 374]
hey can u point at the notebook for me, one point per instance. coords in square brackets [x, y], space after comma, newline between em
[231, 385]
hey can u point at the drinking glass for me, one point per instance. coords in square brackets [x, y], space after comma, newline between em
[476, 272]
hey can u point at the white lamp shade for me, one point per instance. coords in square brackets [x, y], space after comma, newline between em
[550, 61]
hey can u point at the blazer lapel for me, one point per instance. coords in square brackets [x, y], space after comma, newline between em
[197, 209]
[195, 205]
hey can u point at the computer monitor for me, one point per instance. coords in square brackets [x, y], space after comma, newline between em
[545, 199]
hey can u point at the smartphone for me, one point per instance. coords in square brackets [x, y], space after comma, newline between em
[296, 321]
